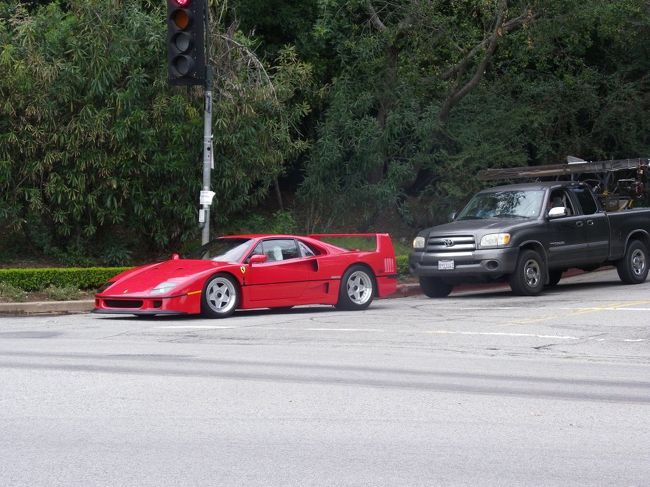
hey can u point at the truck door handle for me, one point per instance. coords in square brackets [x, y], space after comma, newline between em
[579, 224]
[590, 222]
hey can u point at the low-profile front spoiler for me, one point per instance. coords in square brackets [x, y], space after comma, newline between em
[187, 303]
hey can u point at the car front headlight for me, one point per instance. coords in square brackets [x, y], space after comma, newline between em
[418, 243]
[494, 240]
[164, 287]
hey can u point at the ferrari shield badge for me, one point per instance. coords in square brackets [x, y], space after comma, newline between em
[243, 269]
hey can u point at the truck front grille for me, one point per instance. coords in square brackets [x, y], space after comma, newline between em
[451, 243]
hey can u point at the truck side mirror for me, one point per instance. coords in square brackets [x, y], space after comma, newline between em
[257, 259]
[557, 212]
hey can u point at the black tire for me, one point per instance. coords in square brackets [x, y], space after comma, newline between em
[220, 297]
[554, 277]
[358, 288]
[528, 278]
[434, 287]
[633, 267]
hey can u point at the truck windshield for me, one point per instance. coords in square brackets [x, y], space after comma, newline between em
[223, 249]
[503, 204]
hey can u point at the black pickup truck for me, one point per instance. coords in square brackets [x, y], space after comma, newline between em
[529, 234]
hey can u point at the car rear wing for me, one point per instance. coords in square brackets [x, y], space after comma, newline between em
[370, 242]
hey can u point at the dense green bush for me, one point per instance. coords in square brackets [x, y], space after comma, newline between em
[39, 279]
[402, 262]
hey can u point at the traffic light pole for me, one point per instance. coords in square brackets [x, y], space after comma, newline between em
[208, 159]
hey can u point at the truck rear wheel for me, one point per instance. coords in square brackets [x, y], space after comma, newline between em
[528, 278]
[434, 287]
[633, 267]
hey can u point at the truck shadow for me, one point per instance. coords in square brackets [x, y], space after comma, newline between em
[504, 292]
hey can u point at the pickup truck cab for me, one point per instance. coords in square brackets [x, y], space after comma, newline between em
[529, 234]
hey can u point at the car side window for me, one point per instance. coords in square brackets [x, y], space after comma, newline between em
[306, 250]
[280, 249]
[586, 200]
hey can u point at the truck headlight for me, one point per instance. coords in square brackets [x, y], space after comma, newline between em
[418, 243]
[495, 240]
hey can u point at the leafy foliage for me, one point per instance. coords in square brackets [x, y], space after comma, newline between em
[95, 146]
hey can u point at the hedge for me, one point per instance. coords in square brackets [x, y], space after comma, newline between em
[402, 265]
[79, 277]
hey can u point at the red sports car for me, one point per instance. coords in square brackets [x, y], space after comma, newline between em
[255, 271]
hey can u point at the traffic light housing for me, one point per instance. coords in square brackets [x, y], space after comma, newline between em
[186, 42]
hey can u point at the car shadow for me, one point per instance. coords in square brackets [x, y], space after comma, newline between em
[240, 313]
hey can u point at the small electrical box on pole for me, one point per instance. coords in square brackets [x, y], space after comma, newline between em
[188, 63]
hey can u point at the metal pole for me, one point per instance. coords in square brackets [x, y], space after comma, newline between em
[208, 157]
[206, 198]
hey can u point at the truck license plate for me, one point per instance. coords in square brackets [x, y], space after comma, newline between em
[445, 265]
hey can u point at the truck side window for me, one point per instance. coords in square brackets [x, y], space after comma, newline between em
[560, 198]
[586, 200]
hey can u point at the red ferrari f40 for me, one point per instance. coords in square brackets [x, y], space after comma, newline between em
[256, 271]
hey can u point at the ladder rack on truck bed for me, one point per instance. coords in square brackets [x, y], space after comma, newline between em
[619, 184]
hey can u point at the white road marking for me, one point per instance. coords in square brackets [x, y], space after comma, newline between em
[197, 327]
[407, 332]
[422, 332]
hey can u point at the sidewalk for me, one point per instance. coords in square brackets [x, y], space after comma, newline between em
[85, 306]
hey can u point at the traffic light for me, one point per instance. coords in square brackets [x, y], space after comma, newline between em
[185, 42]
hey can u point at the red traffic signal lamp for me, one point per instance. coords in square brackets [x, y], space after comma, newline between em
[186, 42]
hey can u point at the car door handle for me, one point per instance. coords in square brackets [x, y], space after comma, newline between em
[590, 222]
[579, 224]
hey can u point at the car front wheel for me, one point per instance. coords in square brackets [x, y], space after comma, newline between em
[220, 296]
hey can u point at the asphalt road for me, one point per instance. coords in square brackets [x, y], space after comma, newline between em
[481, 388]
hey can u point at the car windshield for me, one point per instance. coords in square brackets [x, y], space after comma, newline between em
[503, 204]
[223, 249]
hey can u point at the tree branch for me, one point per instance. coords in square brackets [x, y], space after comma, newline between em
[375, 20]
[524, 19]
[457, 93]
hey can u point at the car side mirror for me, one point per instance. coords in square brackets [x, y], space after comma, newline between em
[258, 259]
[557, 212]
[453, 215]
[175, 256]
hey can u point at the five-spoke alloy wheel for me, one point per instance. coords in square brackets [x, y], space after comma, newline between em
[357, 288]
[220, 296]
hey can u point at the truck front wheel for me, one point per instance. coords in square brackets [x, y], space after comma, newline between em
[633, 268]
[434, 287]
[529, 275]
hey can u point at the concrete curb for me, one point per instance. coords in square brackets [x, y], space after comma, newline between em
[85, 306]
[47, 307]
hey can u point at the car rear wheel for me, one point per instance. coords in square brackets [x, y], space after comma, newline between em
[528, 278]
[357, 288]
[633, 267]
[220, 296]
[434, 287]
